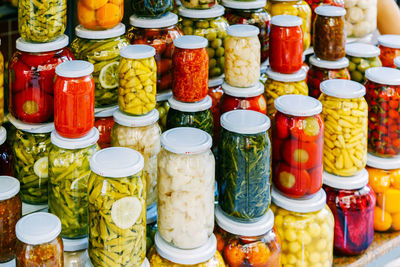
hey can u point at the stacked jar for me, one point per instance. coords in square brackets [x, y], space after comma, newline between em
[361, 17]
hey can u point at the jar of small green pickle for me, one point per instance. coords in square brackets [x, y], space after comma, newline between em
[69, 172]
[211, 24]
[145, 8]
[163, 107]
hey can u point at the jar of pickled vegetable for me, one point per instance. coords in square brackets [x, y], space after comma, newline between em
[383, 97]
[31, 74]
[329, 37]
[153, 9]
[361, 17]
[144, 264]
[39, 242]
[279, 84]
[142, 134]
[74, 99]
[163, 107]
[186, 179]
[199, 4]
[251, 13]
[42, 22]
[69, 172]
[345, 114]
[389, 44]
[215, 92]
[322, 70]
[117, 208]
[316, 3]
[101, 48]
[248, 244]
[100, 15]
[75, 252]
[1, 87]
[10, 213]
[306, 226]
[190, 68]
[352, 203]
[6, 155]
[151, 227]
[244, 165]
[104, 121]
[159, 33]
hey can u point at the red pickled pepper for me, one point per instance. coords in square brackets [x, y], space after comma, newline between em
[104, 125]
[388, 55]
[256, 103]
[316, 76]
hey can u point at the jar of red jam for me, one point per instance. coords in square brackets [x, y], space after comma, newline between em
[74, 99]
[322, 70]
[104, 122]
[286, 44]
[352, 203]
[31, 78]
[389, 45]
[10, 213]
[215, 92]
[6, 155]
[190, 68]
[297, 145]
[383, 98]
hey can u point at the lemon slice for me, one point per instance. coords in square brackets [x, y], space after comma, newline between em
[126, 211]
[41, 167]
[109, 75]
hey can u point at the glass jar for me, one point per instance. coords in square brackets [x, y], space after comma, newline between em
[10, 213]
[279, 84]
[104, 121]
[251, 13]
[142, 134]
[42, 22]
[101, 48]
[250, 98]
[151, 227]
[244, 165]
[329, 37]
[383, 97]
[144, 264]
[352, 203]
[186, 179]
[153, 9]
[39, 242]
[345, 114]
[211, 24]
[242, 55]
[75, 252]
[389, 45]
[6, 155]
[74, 99]
[1, 87]
[322, 70]
[69, 172]
[158, 33]
[316, 3]
[248, 244]
[199, 4]
[100, 15]
[190, 68]
[163, 107]
[215, 92]
[31, 150]
[297, 138]
[117, 208]
[137, 79]
[306, 227]
[361, 17]
[31, 74]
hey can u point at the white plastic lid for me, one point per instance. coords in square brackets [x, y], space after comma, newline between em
[136, 121]
[359, 180]
[75, 143]
[106, 112]
[164, 95]
[58, 43]
[116, 162]
[74, 69]
[186, 256]
[342, 88]
[213, 12]
[280, 77]
[389, 40]
[154, 23]
[245, 121]
[82, 32]
[146, 263]
[242, 30]
[362, 50]
[286, 21]
[215, 82]
[38, 228]
[137, 51]
[9, 187]
[186, 140]
[383, 163]
[260, 227]
[71, 245]
[30, 127]
[313, 203]
[383, 75]
[190, 41]
[298, 105]
[201, 105]
[3, 135]
[397, 62]
[330, 11]
[244, 4]
[252, 91]
[327, 64]
[10, 263]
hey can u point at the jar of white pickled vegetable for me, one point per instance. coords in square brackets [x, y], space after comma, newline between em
[75, 252]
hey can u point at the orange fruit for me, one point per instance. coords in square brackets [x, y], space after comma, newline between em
[94, 4]
[396, 221]
[258, 254]
[382, 220]
[395, 178]
[117, 2]
[389, 200]
[379, 180]
[108, 15]
[86, 16]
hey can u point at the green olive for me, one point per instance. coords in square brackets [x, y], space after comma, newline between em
[356, 60]
[221, 62]
[187, 30]
[187, 22]
[199, 32]
[216, 43]
[376, 63]
[203, 24]
[210, 52]
[215, 72]
[220, 51]
[212, 63]
[221, 34]
[161, 111]
[211, 35]
[363, 66]
[356, 76]
[352, 66]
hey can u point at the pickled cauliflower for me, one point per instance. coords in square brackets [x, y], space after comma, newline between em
[360, 17]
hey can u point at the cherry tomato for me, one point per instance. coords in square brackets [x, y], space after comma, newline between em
[104, 125]
[292, 181]
[315, 179]
[159, 45]
[307, 129]
[20, 75]
[33, 105]
[281, 126]
[302, 155]
[258, 254]
[34, 60]
[276, 149]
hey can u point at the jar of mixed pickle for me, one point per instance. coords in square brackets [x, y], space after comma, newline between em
[154, 9]
[316, 3]
[389, 44]
[75, 252]
[100, 15]
[6, 155]
[361, 17]
[104, 121]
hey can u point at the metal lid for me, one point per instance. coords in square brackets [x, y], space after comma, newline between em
[298, 105]
[154, 23]
[136, 121]
[137, 51]
[9, 187]
[75, 143]
[383, 75]
[251, 91]
[327, 64]
[82, 32]
[186, 140]
[383, 163]
[58, 43]
[342, 88]
[201, 105]
[74, 69]
[313, 203]
[356, 181]
[213, 12]
[245, 121]
[362, 50]
[190, 42]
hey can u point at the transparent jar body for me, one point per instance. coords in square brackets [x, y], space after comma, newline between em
[1, 88]
[76, 258]
[46, 254]
[6, 160]
[202, 120]
[345, 134]
[143, 8]
[256, 103]
[185, 201]
[216, 94]
[388, 55]
[316, 3]
[157, 261]
[104, 125]
[163, 109]
[358, 66]
[151, 230]
[361, 17]
[199, 4]
[100, 15]
[317, 75]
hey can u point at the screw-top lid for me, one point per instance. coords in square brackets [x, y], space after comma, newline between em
[3, 135]
[242, 30]
[154, 23]
[75, 143]
[215, 82]
[186, 140]
[245, 121]
[362, 50]
[327, 64]
[151, 214]
[383, 75]
[71, 245]
[357, 181]
[213, 12]
[136, 121]
[244, 4]
[9, 187]
[105, 112]
[330, 11]
[286, 21]
[137, 51]
[116, 162]
[280, 77]
[145, 263]
[74, 69]
[397, 62]
[30, 127]
[383, 163]
[298, 105]
[342, 88]
[201, 105]
[389, 40]
[260, 227]
[252, 91]
[58, 43]
[186, 256]
[164, 95]
[38, 228]
[313, 203]
[190, 42]
[82, 32]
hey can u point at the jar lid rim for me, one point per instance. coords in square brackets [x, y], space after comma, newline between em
[87, 140]
[74, 69]
[383, 163]
[9, 187]
[242, 30]
[330, 11]
[136, 121]
[29, 47]
[71, 245]
[383, 75]
[286, 21]
[38, 128]
[186, 140]
[198, 106]
[362, 50]
[244, 4]
[164, 95]
[190, 42]
[105, 112]
[327, 64]
[389, 40]
[137, 51]
[342, 88]
[167, 20]
[293, 77]
[251, 91]
[84, 33]
[213, 12]
[245, 121]
[298, 105]
[151, 214]
[357, 181]
[312, 203]
[3, 135]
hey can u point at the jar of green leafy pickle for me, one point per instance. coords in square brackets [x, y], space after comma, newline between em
[152, 8]
[101, 48]
[69, 172]
[211, 24]
[163, 107]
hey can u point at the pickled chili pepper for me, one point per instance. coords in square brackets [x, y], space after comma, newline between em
[389, 45]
